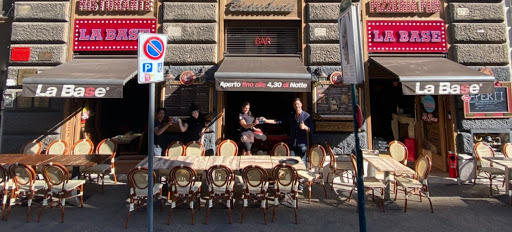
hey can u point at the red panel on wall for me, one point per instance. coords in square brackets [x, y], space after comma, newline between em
[20, 54]
[406, 36]
[110, 34]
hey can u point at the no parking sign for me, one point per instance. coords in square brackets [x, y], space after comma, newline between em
[151, 57]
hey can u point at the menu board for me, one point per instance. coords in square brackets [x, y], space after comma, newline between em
[493, 105]
[333, 101]
[381, 145]
[178, 99]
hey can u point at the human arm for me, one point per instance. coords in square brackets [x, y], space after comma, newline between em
[246, 125]
[159, 131]
[183, 126]
[307, 125]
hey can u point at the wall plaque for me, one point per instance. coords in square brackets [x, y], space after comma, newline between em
[332, 101]
[45, 56]
[110, 34]
[334, 126]
[262, 9]
[418, 36]
[22, 73]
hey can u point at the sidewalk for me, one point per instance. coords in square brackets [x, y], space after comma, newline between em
[456, 208]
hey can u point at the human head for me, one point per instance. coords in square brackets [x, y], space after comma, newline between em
[297, 105]
[194, 111]
[160, 113]
[246, 106]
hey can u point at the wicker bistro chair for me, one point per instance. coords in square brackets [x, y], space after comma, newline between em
[105, 147]
[25, 186]
[32, 148]
[175, 149]
[183, 188]
[82, 147]
[255, 187]
[280, 149]
[398, 151]
[227, 148]
[482, 149]
[315, 165]
[220, 181]
[507, 150]
[138, 182]
[194, 148]
[418, 184]
[338, 168]
[57, 147]
[286, 187]
[60, 186]
[5, 184]
[370, 183]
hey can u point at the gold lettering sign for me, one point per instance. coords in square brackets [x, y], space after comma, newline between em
[335, 126]
[261, 9]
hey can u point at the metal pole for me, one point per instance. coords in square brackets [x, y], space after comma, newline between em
[151, 138]
[359, 156]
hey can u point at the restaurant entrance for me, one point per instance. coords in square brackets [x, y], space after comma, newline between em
[271, 105]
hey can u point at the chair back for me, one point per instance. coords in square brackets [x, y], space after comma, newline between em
[220, 179]
[316, 158]
[56, 174]
[182, 179]
[106, 147]
[285, 178]
[22, 175]
[227, 148]
[423, 167]
[57, 147]
[332, 161]
[82, 147]
[175, 149]
[353, 160]
[482, 149]
[398, 151]
[507, 150]
[280, 149]
[194, 148]
[138, 180]
[255, 179]
[32, 148]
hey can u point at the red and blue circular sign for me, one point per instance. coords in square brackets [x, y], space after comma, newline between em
[153, 48]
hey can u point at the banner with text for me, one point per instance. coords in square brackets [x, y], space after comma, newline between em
[270, 85]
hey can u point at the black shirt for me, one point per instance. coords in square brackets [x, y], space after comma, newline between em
[194, 128]
[158, 138]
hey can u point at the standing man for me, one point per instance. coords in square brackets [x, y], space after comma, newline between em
[300, 125]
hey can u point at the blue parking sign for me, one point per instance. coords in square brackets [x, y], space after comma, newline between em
[147, 67]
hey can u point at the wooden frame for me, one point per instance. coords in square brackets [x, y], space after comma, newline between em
[393, 143]
[316, 98]
[508, 114]
[175, 143]
[38, 143]
[219, 147]
[48, 148]
[88, 142]
[272, 152]
[201, 147]
[505, 150]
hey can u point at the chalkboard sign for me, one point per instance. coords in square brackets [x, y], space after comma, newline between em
[333, 101]
[381, 145]
[493, 105]
[178, 99]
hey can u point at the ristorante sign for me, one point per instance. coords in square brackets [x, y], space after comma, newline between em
[405, 6]
[406, 36]
[109, 34]
[115, 5]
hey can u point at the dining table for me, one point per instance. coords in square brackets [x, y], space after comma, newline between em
[506, 163]
[387, 165]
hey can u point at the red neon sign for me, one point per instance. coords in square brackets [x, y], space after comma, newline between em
[259, 41]
[406, 36]
[108, 34]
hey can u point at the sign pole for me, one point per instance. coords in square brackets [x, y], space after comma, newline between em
[360, 170]
[151, 139]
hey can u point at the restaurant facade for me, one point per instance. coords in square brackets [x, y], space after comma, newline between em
[75, 77]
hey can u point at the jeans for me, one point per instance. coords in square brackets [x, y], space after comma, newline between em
[300, 150]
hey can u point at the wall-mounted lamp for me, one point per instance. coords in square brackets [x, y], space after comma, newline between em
[201, 73]
[319, 73]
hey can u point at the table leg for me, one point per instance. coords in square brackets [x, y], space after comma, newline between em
[507, 184]
[75, 172]
[387, 195]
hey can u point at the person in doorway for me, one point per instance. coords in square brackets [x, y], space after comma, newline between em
[194, 126]
[161, 126]
[301, 125]
[247, 123]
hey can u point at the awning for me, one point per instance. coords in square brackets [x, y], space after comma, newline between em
[82, 78]
[434, 76]
[263, 73]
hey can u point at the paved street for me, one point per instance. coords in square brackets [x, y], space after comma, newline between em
[457, 207]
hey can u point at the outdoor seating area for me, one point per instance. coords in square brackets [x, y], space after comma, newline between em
[187, 179]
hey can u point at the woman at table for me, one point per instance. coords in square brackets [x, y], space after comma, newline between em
[247, 122]
[194, 127]
[160, 142]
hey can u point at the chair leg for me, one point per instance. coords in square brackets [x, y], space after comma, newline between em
[431, 208]
[274, 211]
[265, 211]
[4, 202]
[323, 186]
[382, 198]
[405, 192]
[243, 213]
[295, 210]
[42, 207]
[207, 212]
[490, 184]
[82, 196]
[373, 195]
[420, 197]
[474, 180]
[28, 207]
[350, 194]
[310, 183]
[169, 217]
